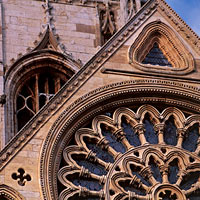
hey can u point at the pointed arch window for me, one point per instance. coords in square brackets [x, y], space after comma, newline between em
[36, 91]
[30, 84]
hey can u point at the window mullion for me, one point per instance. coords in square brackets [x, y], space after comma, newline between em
[36, 93]
[57, 85]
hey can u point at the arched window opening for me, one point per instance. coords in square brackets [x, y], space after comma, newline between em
[36, 91]
[2, 197]
[158, 49]
[108, 162]
[8, 193]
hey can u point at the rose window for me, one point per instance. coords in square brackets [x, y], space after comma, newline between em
[131, 155]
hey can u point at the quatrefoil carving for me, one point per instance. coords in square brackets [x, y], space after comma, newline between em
[21, 177]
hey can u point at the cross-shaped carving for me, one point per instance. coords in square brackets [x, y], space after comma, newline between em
[21, 177]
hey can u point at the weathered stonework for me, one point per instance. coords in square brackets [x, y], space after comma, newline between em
[107, 86]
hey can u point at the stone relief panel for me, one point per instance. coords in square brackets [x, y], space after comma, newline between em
[139, 155]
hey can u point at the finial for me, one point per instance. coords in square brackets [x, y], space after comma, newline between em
[47, 7]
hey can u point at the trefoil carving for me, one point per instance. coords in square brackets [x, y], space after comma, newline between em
[175, 58]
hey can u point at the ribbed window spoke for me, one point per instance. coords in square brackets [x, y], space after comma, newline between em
[131, 155]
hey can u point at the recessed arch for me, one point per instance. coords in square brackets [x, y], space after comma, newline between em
[8, 193]
[180, 59]
[25, 75]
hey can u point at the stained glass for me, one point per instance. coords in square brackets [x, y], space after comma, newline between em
[156, 57]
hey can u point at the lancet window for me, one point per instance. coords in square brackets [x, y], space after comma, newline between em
[36, 91]
[139, 155]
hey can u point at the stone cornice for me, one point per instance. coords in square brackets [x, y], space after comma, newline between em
[186, 32]
[34, 125]
[87, 3]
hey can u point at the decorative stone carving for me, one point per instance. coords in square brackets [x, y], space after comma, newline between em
[9, 193]
[128, 8]
[124, 157]
[107, 22]
[176, 53]
[21, 177]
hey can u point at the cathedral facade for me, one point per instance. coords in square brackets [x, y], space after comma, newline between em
[99, 100]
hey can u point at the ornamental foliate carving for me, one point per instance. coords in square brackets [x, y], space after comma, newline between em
[127, 155]
[107, 22]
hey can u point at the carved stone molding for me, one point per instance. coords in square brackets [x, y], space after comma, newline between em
[9, 193]
[183, 28]
[177, 54]
[74, 122]
[118, 159]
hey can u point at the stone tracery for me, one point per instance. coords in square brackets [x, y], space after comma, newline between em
[182, 62]
[36, 91]
[129, 156]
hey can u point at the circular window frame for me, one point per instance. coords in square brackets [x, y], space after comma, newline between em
[78, 114]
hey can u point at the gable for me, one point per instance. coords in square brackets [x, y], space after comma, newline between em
[115, 50]
[116, 47]
[92, 79]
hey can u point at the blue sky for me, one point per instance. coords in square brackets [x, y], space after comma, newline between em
[189, 11]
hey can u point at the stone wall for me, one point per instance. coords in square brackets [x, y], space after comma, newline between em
[23, 21]
[2, 139]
